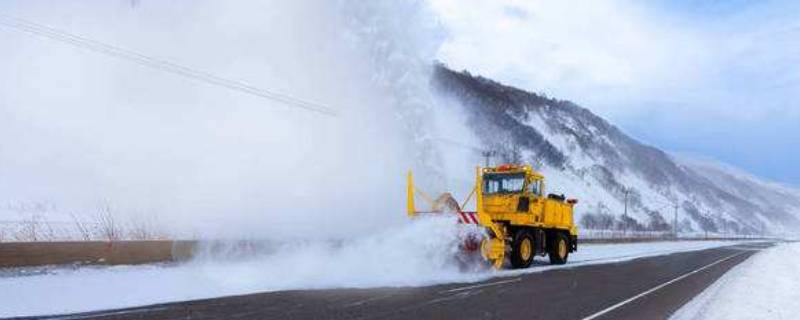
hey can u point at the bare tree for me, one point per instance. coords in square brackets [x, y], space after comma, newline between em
[80, 225]
[47, 232]
[140, 228]
[146, 227]
[107, 223]
[30, 229]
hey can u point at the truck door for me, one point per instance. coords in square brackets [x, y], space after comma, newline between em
[536, 206]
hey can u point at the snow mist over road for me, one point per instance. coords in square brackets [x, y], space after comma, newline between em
[417, 253]
[220, 166]
[80, 130]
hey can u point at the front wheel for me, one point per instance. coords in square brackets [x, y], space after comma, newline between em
[522, 250]
[559, 249]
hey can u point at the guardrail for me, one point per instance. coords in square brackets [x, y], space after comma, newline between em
[601, 234]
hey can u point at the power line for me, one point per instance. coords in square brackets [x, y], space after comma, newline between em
[664, 207]
[658, 201]
[163, 65]
[460, 144]
[487, 154]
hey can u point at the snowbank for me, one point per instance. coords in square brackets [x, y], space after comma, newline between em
[766, 286]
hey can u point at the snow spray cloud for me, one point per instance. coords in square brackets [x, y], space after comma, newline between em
[418, 253]
[78, 129]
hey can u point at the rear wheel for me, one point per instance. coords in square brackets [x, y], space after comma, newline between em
[558, 248]
[522, 250]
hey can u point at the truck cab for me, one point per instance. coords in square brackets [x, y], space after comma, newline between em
[513, 193]
[514, 196]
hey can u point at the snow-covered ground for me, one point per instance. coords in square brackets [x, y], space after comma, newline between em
[766, 286]
[98, 288]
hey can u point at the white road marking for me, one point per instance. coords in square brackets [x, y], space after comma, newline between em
[612, 308]
[481, 285]
[746, 249]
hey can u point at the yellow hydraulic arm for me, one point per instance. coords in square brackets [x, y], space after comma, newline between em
[410, 208]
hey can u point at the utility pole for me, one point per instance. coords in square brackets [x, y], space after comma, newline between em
[675, 221]
[625, 213]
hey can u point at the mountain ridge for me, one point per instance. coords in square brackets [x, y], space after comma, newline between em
[594, 159]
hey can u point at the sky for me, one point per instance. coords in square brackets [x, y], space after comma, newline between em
[86, 129]
[713, 79]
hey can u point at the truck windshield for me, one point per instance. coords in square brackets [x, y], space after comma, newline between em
[494, 183]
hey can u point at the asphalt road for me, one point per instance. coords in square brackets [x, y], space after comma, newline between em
[645, 288]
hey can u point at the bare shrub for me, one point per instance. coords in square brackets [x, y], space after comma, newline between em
[107, 222]
[601, 221]
[80, 225]
[47, 233]
[142, 227]
[29, 230]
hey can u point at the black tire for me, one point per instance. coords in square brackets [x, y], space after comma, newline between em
[558, 248]
[522, 257]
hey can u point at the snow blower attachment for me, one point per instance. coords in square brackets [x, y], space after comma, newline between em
[517, 220]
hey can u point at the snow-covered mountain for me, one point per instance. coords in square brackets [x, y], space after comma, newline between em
[586, 157]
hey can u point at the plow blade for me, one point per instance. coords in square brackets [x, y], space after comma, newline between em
[482, 241]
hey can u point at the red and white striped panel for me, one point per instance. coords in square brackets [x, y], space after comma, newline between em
[468, 217]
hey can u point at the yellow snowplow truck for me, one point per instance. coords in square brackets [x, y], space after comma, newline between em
[520, 221]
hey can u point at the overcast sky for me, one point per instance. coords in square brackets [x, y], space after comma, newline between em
[719, 80]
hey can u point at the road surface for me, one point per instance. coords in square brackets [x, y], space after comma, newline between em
[645, 288]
